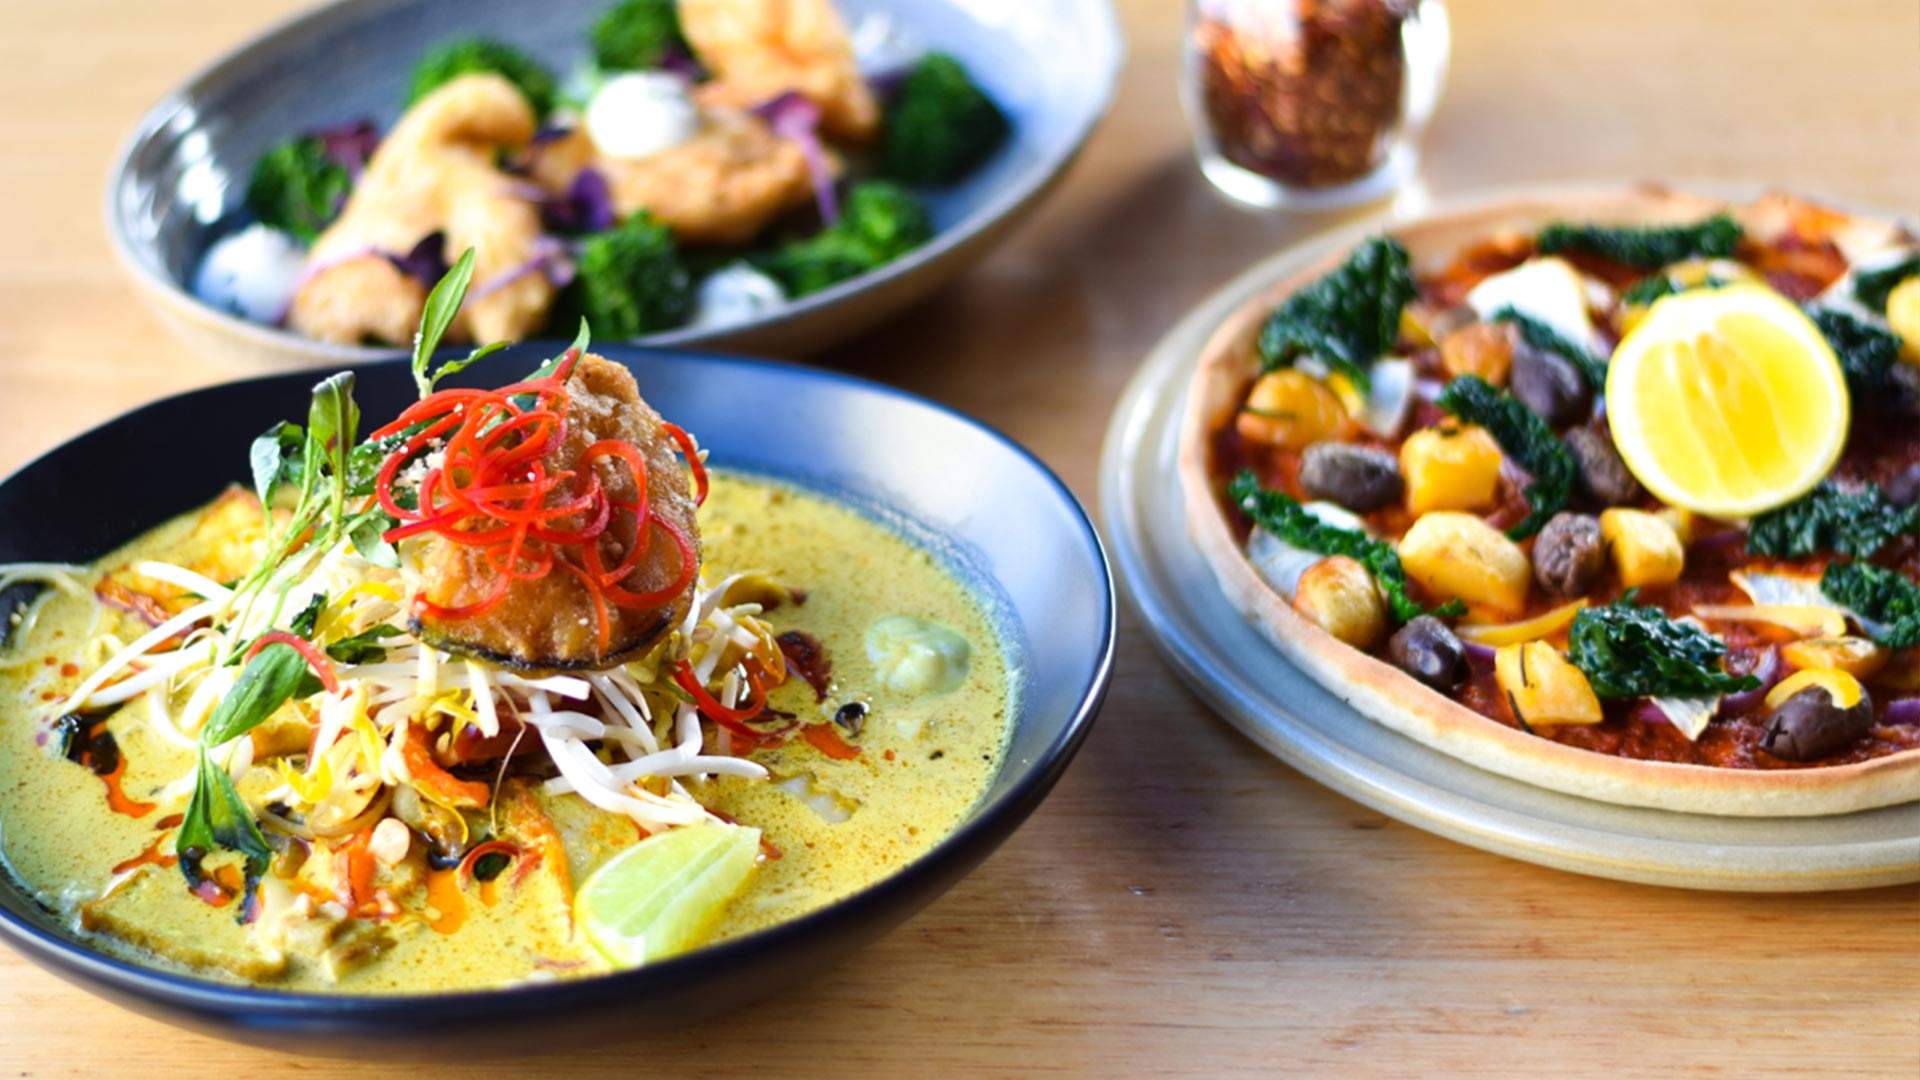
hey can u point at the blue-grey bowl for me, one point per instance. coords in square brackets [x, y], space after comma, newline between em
[994, 512]
[1051, 64]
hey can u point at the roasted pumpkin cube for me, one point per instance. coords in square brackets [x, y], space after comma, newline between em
[1450, 467]
[1455, 555]
[1543, 687]
[1291, 409]
[1339, 595]
[1856, 656]
[1644, 548]
[1483, 348]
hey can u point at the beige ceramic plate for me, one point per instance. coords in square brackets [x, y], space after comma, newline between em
[1227, 662]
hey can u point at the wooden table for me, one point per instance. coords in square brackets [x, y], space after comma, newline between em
[1182, 904]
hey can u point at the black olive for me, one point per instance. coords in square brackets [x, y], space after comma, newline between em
[1808, 725]
[1904, 486]
[852, 716]
[1603, 476]
[1360, 478]
[1550, 385]
[1569, 554]
[1429, 651]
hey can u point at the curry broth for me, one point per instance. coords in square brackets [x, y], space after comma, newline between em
[923, 762]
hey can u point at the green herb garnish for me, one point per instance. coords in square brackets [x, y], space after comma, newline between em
[1881, 595]
[1547, 339]
[1866, 352]
[1633, 650]
[1871, 287]
[1348, 318]
[217, 817]
[363, 647]
[443, 303]
[1857, 522]
[1283, 516]
[1525, 438]
[1646, 248]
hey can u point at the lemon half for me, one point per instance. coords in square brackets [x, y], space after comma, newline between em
[1727, 402]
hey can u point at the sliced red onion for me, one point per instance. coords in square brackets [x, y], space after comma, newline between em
[426, 261]
[350, 145]
[1767, 670]
[793, 117]
[678, 61]
[1479, 656]
[549, 256]
[1647, 712]
[1904, 710]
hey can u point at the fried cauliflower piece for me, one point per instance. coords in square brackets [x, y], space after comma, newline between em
[760, 49]
[434, 172]
[723, 186]
[548, 624]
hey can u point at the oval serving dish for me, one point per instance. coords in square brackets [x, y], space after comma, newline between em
[1050, 64]
[995, 514]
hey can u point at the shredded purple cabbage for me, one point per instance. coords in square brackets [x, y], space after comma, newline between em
[679, 62]
[793, 117]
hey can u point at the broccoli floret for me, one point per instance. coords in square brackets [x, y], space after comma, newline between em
[635, 35]
[297, 188]
[450, 60]
[631, 281]
[940, 125]
[879, 223]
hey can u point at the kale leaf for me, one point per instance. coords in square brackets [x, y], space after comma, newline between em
[1347, 318]
[1646, 248]
[1855, 522]
[1877, 593]
[1648, 289]
[1633, 650]
[1525, 438]
[1871, 287]
[1867, 353]
[1283, 516]
[1547, 339]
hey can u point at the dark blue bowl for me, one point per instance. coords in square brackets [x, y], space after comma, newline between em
[1001, 519]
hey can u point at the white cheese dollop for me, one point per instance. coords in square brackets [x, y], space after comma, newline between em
[916, 656]
[1548, 291]
[640, 113]
[736, 294]
[252, 273]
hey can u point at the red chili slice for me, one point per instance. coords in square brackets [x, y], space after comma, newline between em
[315, 659]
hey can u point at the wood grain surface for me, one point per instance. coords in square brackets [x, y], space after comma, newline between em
[1182, 905]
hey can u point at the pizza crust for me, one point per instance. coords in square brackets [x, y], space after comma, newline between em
[1384, 693]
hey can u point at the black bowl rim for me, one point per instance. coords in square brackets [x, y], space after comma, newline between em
[965, 845]
[1001, 205]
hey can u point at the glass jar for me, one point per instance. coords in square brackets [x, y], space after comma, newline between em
[1311, 104]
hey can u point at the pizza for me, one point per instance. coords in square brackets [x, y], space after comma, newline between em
[1617, 494]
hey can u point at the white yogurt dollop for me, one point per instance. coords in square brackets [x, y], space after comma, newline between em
[916, 656]
[252, 273]
[640, 113]
[736, 294]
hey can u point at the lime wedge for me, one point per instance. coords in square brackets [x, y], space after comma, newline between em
[660, 896]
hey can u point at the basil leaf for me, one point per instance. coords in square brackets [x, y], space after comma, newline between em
[309, 616]
[443, 303]
[268, 681]
[269, 458]
[363, 647]
[333, 420]
[216, 817]
[454, 367]
[371, 544]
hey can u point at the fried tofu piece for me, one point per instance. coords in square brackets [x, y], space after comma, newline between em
[435, 172]
[548, 623]
[760, 49]
[723, 186]
[153, 911]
